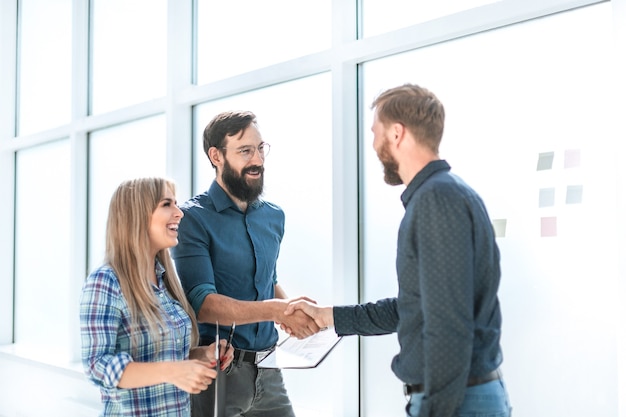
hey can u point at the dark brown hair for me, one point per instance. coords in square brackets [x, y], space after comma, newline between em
[227, 123]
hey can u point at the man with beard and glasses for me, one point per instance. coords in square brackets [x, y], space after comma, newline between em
[446, 313]
[229, 240]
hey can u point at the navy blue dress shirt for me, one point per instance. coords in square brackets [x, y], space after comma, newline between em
[447, 313]
[226, 251]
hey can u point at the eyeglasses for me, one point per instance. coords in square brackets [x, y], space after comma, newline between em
[247, 152]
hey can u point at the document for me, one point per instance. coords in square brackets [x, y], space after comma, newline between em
[294, 353]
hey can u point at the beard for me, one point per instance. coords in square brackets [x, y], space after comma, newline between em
[390, 165]
[238, 186]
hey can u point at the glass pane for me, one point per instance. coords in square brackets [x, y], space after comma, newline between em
[233, 39]
[384, 16]
[42, 250]
[45, 67]
[129, 52]
[116, 154]
[522, 103]
[298, 178]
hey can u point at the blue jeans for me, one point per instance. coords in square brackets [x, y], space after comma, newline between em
[485, 400]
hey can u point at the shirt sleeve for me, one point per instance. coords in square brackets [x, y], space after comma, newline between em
[193, 260]
[445, 264]
[367, 319]
[101, 319]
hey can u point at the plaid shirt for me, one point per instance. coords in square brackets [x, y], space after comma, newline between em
[105, 335]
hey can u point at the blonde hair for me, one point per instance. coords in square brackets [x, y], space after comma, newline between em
[128, 253]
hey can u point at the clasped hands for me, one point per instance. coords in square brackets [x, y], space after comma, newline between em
[303, 317]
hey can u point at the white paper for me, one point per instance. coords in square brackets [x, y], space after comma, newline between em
[301, 353]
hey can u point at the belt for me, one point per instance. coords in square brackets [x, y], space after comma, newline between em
[249, 356]
[471, 382]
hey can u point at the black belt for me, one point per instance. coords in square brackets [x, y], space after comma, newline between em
[249, 356]
[471, 382]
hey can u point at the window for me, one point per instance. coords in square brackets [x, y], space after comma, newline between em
[45, 67]
[116, 154]
[380, 17]
[244, 41]
[43, 293]
[129, 52]
[510, 96]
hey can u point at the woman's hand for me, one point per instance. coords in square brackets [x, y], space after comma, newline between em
[192, 376]
[207, 354]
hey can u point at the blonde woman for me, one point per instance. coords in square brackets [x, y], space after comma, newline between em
[139, 334]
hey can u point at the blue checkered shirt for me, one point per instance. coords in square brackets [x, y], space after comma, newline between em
[105, 336]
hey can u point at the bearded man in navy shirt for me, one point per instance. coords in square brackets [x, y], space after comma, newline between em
[447, 314]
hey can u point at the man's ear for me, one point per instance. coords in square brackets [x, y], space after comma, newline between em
[215, 156]
[397, 133]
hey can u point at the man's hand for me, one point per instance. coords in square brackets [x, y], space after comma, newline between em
[297, 324]
[323, 316]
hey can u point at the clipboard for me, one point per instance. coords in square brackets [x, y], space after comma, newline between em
[306, 353]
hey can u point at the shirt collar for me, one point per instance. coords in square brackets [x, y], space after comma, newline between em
[430, 168]
[222, 201]
[159, 270]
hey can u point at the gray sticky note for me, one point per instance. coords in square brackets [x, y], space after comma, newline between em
[545, 160]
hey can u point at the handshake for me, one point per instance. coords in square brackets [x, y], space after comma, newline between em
[302, 317]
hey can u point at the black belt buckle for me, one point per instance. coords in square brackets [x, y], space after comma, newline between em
[413, 389]
[250, 356]
[244, 356]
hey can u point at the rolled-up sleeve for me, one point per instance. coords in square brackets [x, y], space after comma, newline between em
[101, 319]
[193, 260]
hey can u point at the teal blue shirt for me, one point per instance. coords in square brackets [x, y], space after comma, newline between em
[226, 251]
